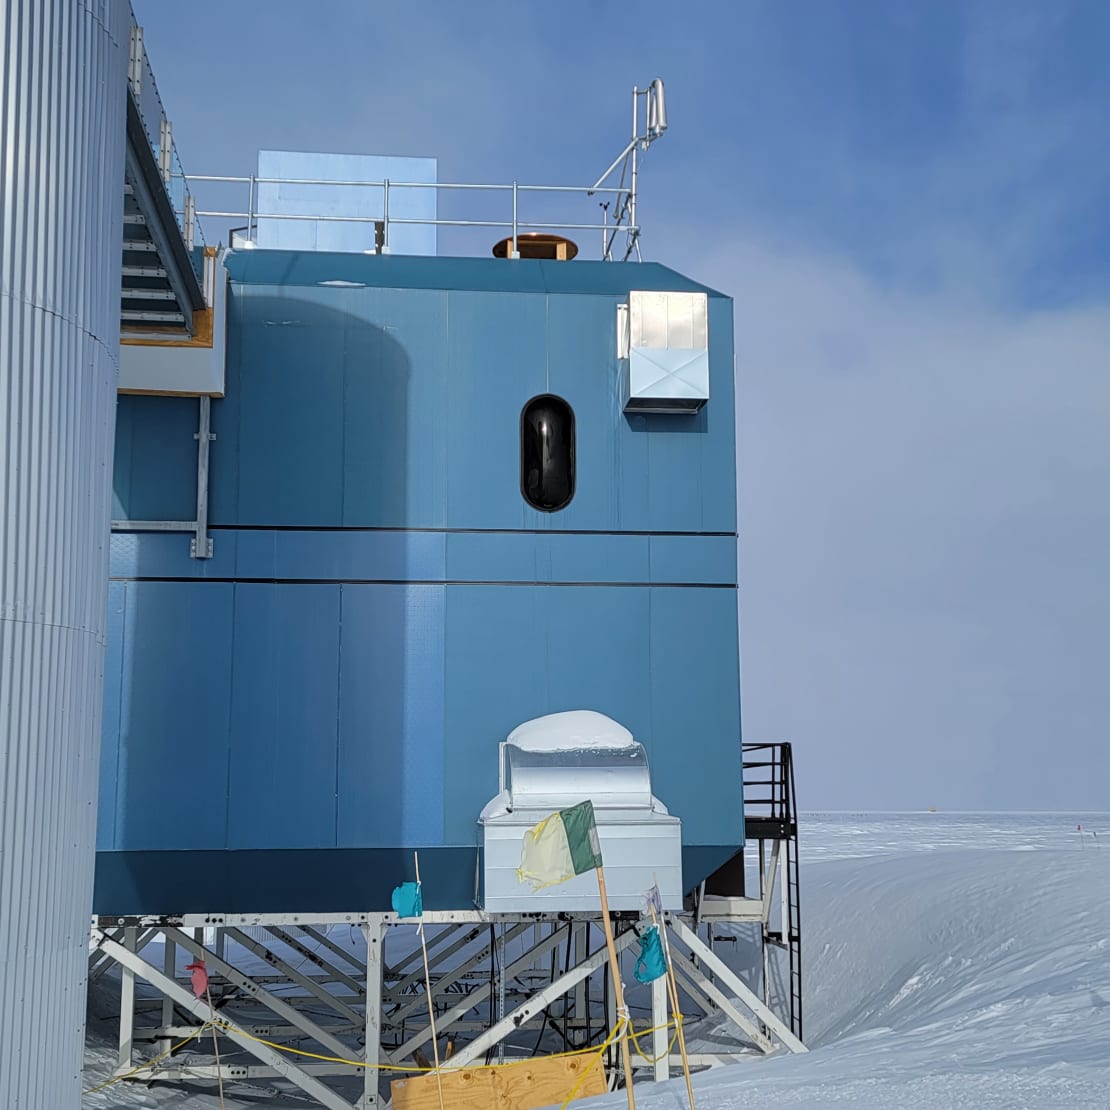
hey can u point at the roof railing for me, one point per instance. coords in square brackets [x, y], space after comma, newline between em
[618, 224]
[377, 212]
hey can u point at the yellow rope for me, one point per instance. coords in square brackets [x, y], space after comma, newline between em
[148, 1063]
[597, 1052]
[227, 1027]
[618, 1029]
[634, 1037]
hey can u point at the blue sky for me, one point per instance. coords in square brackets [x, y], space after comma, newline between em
[909, 204]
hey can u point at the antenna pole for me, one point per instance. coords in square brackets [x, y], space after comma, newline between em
[635, 154]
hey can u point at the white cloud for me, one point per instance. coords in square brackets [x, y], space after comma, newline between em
[925, 536]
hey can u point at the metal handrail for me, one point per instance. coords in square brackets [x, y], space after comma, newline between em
[159, 133]
[384, 220]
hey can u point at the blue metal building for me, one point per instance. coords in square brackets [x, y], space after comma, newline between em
[285, 721]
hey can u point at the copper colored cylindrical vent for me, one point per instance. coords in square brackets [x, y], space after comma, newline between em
[537, 244]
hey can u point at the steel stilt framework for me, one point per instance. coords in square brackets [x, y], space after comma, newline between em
[336, 1005]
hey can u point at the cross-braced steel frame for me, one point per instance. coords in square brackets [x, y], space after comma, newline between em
[336, 1004]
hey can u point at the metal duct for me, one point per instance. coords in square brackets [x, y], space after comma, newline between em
[63, 79]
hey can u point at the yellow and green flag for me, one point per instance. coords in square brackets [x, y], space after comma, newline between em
[560, 847]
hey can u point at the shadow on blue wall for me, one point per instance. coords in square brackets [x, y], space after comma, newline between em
[268, 700]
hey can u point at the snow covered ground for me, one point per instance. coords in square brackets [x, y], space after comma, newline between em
[950, 961]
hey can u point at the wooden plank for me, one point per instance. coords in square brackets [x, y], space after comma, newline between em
[545, 1081]
[466, 1089]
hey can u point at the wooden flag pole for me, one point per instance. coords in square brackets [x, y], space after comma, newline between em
[215, 1046]
[428, 989]
[618, 987]
[672, 985]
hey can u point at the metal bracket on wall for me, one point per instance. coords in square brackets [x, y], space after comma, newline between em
[200, 546]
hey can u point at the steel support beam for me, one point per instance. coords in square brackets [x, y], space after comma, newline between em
[332, 973]
[734, 983]
[661, 1031]
[721, 1000]
[373, 932]
[322, 996]
[479, 994]
[184, 999]
[271, 1001]
[536, 1004]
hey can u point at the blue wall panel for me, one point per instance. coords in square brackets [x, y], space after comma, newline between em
[154, 476]
[284, 710]
[176, 695]
[343, 556]
[294, 399]
[693, 559]
[223, 451]
[497, 678]
[497, 363]
[582, 368]
[598, 657]
[166, 555]
[695, 706]
[597, 558]
[110, 726]
[396, 407]
[391, 740]
[518, 652]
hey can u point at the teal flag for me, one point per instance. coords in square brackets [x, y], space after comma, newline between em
[652, 963]
[407, 901]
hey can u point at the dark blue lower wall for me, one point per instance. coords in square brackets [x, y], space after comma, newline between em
[326, 880]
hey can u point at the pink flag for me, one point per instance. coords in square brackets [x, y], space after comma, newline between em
[200, 978]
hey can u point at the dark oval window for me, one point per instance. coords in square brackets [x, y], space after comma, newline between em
[547, 453]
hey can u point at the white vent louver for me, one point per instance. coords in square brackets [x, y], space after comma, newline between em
[665, 339]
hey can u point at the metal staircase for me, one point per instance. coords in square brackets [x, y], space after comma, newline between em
[759, 886]
[161, 272]
[771, 824]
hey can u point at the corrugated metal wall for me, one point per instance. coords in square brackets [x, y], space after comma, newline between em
[63, 72]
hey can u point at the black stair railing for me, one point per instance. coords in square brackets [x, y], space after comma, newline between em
[770, 815]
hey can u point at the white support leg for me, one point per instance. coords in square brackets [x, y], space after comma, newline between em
[784, 896]
[722, 1001]
[769, 881]
[169, 966]
[736, 985]
[125, 1060]
[660, 1036]
[581, 933]
[373, 933]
